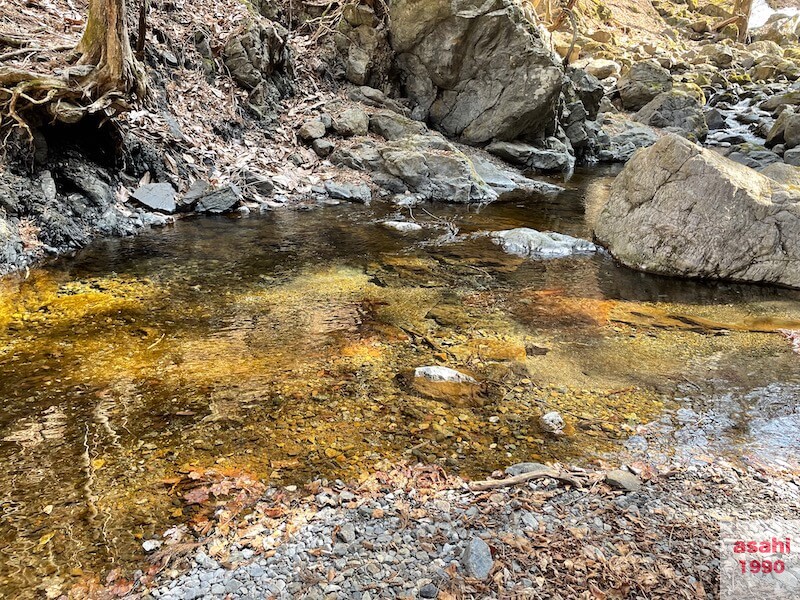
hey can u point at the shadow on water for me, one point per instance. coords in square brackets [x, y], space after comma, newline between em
[276, 345]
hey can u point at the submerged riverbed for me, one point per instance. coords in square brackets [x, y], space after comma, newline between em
[277, 346]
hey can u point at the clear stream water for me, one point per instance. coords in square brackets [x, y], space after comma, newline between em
[279, 346]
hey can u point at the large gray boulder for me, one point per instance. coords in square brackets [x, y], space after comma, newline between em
[678, 209]
[477, 70]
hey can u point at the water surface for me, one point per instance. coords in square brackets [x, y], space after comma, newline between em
[278, 346]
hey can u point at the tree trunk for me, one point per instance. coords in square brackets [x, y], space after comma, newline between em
[106, 45]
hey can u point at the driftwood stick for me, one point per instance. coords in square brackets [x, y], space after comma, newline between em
[493, 484]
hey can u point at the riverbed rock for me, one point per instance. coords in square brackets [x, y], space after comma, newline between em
[550, 155]
[623, 480]
[792, 157]
[156, 196]
[645, 80]
[676, 111]
[476, 71]
[444, 383]
[588, 89]
[433, 167]
[678, 209]
[786, 129]
[531, 243]
[477, 559]
[220, 200]
[352, 192]
[402, 226]
[258, 59]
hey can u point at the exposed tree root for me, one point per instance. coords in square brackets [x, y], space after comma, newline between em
[30, 99]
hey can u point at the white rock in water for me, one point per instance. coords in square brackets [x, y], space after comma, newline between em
[443, 374]
[402, 226]
[531, 243]
[552, 422]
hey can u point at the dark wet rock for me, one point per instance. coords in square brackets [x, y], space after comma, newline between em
[193, 194]
[548, 156]
[219, 200]
[259, 183]
[715, 119]
[311, 130]
[678, 209]
[644, 81]
[792, 157]
[477, 559]
[536, 244]
[393, 126]
[259, 60]
[350, 122]
[623, 480]
[351, 192]
[428, 591]
[752, 155]
[588, 89]
[89, 180]
[676, 111]
[156, 196]
[454, 59]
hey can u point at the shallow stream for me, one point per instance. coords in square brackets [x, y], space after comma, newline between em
[279, 346]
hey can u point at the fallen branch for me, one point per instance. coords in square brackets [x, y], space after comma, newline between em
[493, 484]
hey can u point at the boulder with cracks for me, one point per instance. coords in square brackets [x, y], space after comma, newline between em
[677, 209]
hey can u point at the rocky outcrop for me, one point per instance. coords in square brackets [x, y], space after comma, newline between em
[675, 111]
[61, 210]
[678, 209]
[259, 60]
[362, 46]
[476, 71]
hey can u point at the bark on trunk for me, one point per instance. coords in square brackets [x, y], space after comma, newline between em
[106, 45]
